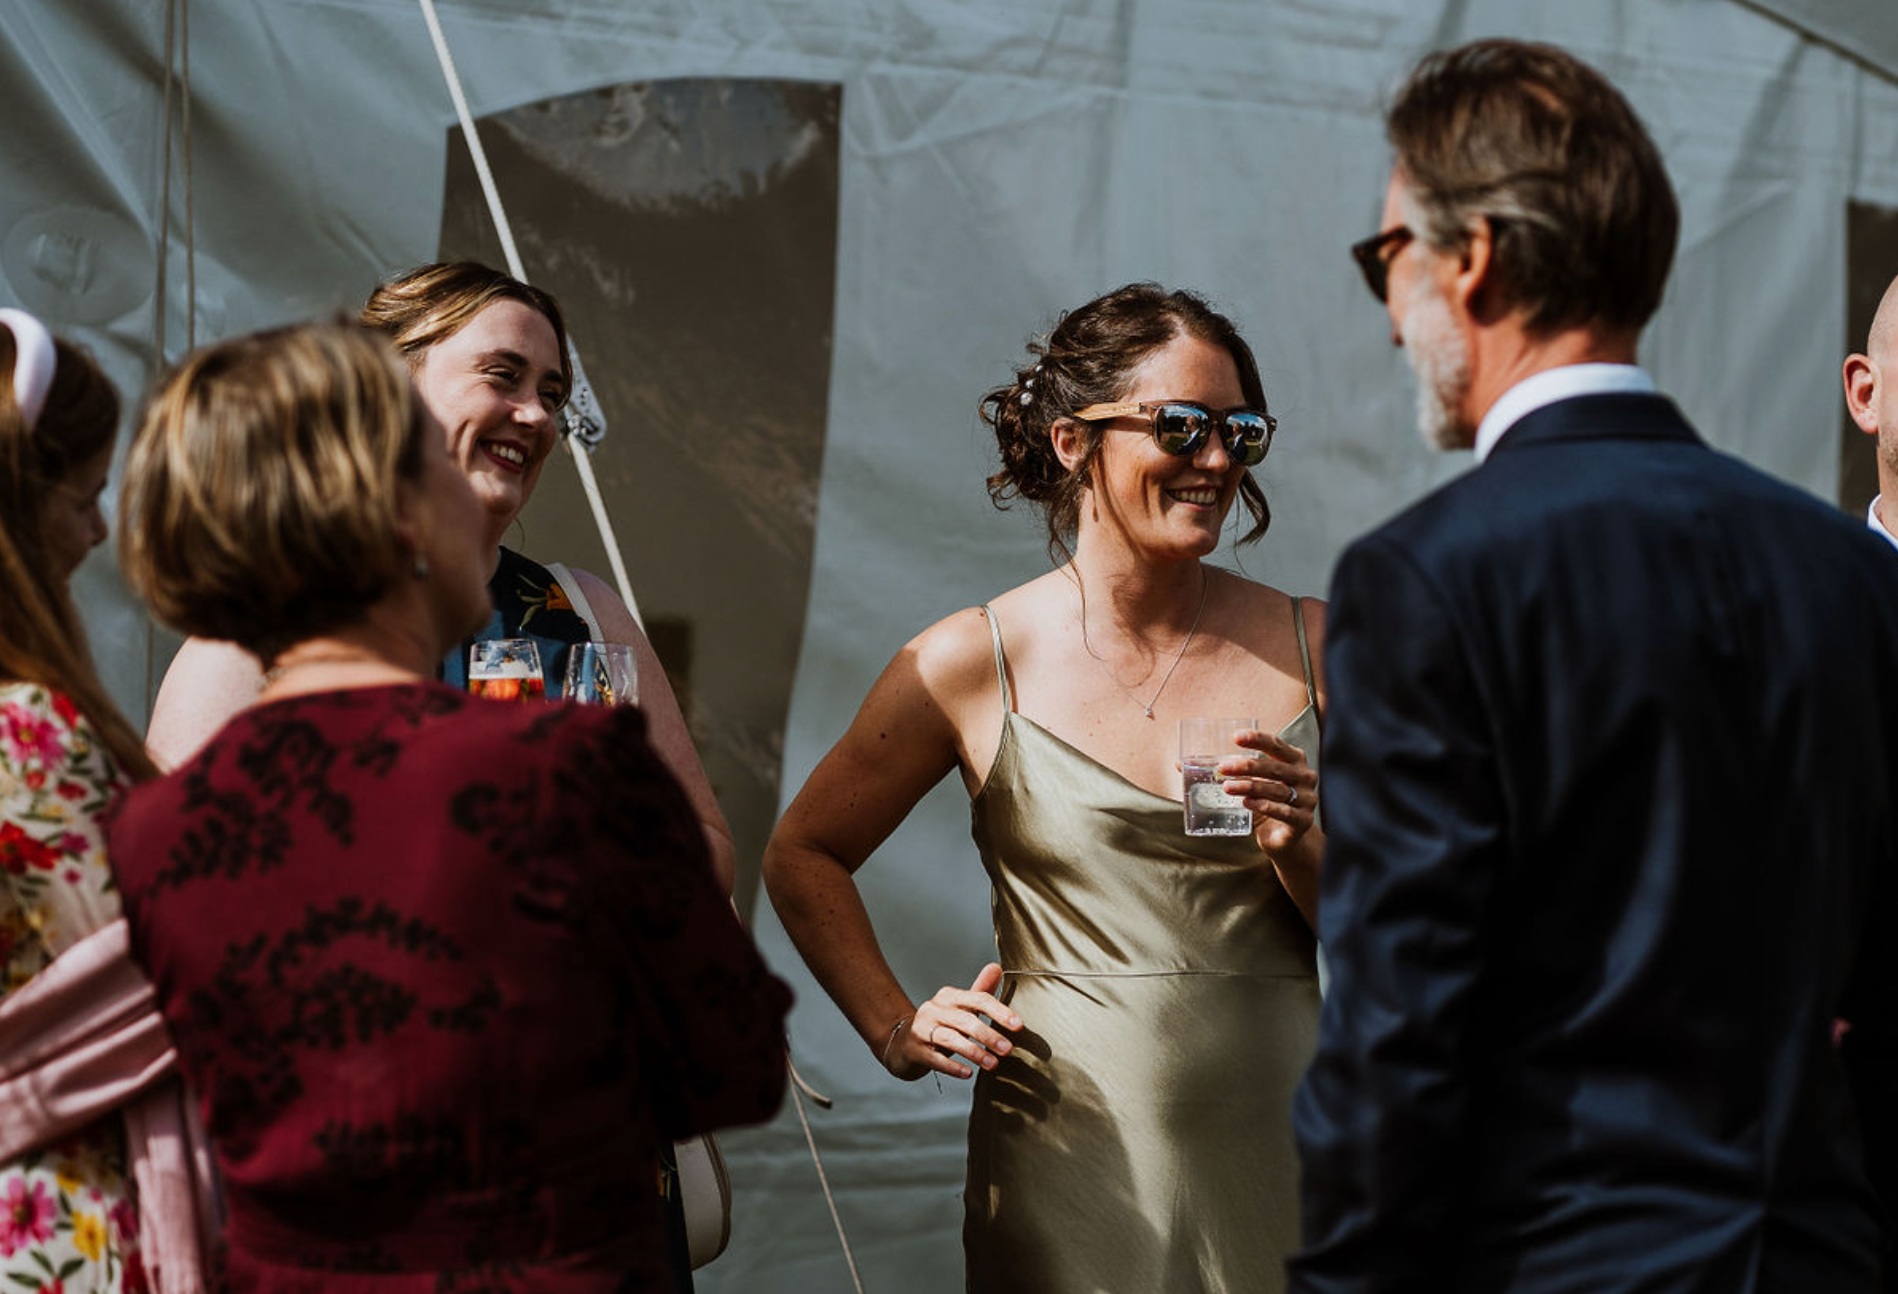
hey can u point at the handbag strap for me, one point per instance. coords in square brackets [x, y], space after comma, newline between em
[571, 587]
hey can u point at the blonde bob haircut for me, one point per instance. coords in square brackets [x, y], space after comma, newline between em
[262, 492]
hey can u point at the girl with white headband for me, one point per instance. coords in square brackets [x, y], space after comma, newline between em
[91, 1119]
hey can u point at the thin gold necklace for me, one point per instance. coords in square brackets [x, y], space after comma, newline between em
[1205, 585]
[276, 672]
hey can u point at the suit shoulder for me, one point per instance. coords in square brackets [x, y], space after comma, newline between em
[1458, 516]
[1793, 505]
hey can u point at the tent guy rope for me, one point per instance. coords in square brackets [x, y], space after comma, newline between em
[177, 51]
[584, 422]
[581, 418]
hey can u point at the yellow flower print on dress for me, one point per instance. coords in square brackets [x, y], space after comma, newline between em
[57, 1206]
[535, 599]
[88, 1234]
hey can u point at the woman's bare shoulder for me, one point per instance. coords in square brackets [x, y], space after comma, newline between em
[1261, 599]
[953, 656]
[962, 646]
[1271, 616]
[207, 683]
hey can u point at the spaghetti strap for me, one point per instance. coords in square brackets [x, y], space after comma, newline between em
[1304, 651]
[1001, 661]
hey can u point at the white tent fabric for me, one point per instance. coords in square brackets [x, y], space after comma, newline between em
[1001, 160]
[1859, 30]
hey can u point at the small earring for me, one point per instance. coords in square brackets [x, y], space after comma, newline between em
[420, 569]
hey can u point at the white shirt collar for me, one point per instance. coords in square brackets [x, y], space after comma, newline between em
[1555, 384]
[1878, 527]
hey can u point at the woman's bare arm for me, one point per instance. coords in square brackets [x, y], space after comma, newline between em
[665, 724]
[903, 741]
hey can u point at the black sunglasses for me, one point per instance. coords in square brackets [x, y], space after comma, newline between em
[1369, 254]
[1181, 428]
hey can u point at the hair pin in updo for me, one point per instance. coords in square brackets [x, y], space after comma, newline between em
[1028, 387]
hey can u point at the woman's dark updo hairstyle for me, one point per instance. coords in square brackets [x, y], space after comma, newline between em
[1090, 358]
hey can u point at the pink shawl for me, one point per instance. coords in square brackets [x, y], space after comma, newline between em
[82, 1039]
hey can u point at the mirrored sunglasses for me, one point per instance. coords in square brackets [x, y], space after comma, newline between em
[1181, 428]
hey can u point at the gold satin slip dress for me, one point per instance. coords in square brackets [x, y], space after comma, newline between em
[1138, 1138]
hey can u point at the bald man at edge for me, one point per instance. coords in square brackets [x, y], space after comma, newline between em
[1871, 394]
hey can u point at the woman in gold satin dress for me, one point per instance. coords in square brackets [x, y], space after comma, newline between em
[1155, 999]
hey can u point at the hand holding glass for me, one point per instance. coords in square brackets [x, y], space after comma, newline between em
[506, 669]
[1204, 745]
[601, 674]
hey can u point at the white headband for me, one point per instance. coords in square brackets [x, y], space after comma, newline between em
[33, 362]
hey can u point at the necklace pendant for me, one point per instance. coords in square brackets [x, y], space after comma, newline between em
[1146, 706]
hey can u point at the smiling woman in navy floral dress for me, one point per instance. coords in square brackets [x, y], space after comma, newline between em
[445, 971]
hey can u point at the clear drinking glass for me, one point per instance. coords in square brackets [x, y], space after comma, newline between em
[601, 674]
[1209, 810]
[506, 669]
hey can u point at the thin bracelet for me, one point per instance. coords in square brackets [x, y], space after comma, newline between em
[891, 1041]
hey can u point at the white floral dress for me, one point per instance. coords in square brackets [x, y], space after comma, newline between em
[68, 1222]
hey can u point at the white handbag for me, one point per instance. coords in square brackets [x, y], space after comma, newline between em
[705, 1194]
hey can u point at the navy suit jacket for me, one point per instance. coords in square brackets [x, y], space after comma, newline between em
[1609, 777]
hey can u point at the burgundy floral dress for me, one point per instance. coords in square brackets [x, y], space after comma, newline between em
[444, 973]
[68, 1223]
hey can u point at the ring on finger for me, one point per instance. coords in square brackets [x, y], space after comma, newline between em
[1291, 797]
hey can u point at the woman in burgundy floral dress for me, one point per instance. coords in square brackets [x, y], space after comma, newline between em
[444, 971]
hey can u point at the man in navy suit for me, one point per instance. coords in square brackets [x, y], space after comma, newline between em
[1611, 771]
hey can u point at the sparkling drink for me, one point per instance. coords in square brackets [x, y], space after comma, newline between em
[1204, 745]
[601, 674]
[1209, 810]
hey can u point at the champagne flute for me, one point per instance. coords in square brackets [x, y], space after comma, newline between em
[506, 669]
[601, 674]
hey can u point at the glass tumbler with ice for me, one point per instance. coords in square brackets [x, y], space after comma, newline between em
[1204, 743]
